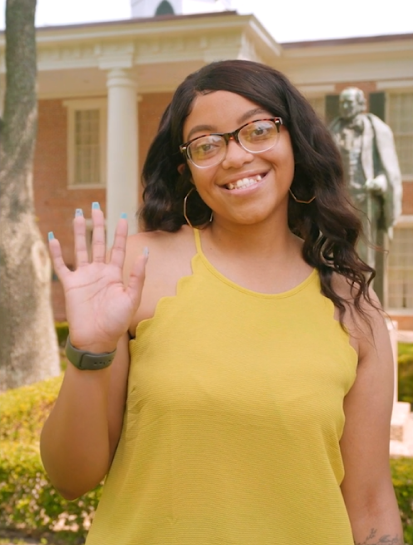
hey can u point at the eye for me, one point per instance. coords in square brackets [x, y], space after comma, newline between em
[205, 146]
[261, 130]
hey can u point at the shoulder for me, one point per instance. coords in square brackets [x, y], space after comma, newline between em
[365, 323]
[161, 245]
[170, 256]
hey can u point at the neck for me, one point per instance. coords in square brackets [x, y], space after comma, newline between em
[257, 241]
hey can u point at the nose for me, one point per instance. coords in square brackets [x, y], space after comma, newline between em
[236, 155]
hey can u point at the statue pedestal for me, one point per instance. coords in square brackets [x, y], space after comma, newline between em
[401, 432]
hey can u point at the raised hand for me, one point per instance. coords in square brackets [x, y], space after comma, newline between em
[99, 306]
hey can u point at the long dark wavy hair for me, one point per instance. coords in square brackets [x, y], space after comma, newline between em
[329, 226]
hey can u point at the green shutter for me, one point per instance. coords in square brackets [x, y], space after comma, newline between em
[332, 107]
[377, 103]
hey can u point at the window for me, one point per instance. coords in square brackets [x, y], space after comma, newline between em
[164, 8]
[318, 104]
[400, 119]
[86, 142]
[400, 268]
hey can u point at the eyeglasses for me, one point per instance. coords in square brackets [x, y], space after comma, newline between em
[255, 137]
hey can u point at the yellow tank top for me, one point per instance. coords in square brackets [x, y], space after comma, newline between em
[233, 420]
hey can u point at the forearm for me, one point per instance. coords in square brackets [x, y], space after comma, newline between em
[75, 439]
[380, 526]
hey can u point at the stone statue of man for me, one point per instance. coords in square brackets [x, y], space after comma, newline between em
[371, 169]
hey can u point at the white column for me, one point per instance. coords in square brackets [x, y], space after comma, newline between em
[122, 151]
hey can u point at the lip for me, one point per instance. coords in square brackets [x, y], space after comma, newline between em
[234, 179]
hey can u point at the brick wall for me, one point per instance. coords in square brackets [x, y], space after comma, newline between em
[407, 208]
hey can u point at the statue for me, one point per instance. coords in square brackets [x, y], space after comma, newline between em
[372, 171]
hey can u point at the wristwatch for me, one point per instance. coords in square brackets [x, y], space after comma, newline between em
[86, 361]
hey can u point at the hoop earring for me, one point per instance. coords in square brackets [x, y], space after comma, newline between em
[186, 216]
[300, 201]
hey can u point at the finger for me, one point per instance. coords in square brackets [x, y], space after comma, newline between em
[117, 254]
[137, 277]
[58, 263]
[98, 236]
[79, 230]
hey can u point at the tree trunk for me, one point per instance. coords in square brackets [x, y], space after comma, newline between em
[28, 344]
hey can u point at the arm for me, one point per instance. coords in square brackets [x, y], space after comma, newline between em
[81, 434]
[367, 487]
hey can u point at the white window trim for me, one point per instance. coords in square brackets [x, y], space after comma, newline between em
[397, 91]
[85, 104]
[404, 222]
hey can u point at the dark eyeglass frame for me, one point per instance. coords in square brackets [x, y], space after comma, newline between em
[227, 136]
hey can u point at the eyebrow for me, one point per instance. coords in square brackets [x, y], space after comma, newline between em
[240, 121]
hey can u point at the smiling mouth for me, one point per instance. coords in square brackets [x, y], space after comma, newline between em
[244, 182]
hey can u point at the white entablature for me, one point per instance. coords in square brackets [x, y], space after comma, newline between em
[160, 51]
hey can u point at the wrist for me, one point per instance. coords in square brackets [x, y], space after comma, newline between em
[90, 359]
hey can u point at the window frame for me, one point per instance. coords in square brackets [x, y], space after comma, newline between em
[73, 106]
[404, 222]
[389, 94]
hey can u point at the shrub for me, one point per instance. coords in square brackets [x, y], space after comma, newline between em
[62, 332]
[24, 410]
[402, 476]
[28, 501]
[405, 374]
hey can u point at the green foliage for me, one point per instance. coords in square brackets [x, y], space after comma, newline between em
[62, 332]
[405, 375]
[28, 501]
[24, 410]
[402, 476]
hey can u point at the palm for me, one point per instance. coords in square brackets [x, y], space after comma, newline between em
[99, 307]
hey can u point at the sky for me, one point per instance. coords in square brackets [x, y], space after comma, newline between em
[286, 20]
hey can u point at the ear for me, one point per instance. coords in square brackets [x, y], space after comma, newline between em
[181, 168]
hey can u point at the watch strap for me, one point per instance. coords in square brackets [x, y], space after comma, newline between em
[87, 361]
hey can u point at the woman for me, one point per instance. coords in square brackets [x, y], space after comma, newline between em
[249, 400]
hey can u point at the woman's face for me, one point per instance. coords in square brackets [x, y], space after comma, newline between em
[245, 188]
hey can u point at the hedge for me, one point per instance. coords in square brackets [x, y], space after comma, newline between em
[405, 372]
[402, 476]
[28, 501]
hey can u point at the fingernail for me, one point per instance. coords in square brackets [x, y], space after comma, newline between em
[124, 215]
[146, 251]
[95, 206]
[79, 212]
[50, 235]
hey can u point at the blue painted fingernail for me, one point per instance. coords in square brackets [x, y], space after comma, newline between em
[146, 251]
[95, 206]
[124, 215]
[50, 235]
[79, 212]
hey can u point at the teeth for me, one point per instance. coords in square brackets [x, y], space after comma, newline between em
[244, 182]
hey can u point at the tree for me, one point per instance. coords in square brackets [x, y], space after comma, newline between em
[28, 344]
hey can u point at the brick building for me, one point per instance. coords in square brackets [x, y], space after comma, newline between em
[102, 88]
